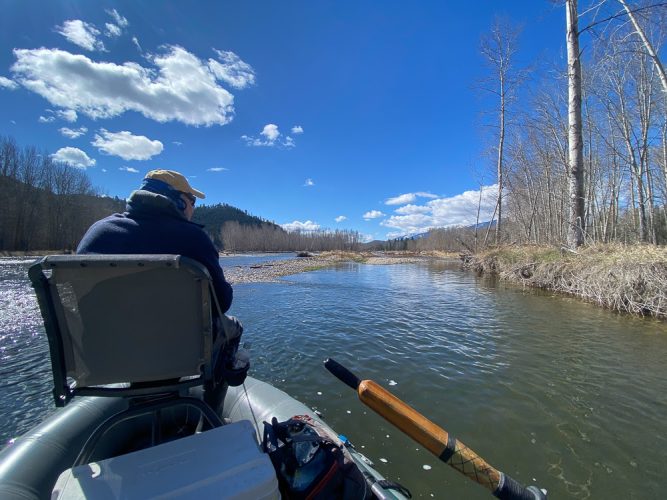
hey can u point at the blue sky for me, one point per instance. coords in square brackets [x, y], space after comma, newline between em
[358, 115]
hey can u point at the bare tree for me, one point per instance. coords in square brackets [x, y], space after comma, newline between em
[499, 48]
[647, 44]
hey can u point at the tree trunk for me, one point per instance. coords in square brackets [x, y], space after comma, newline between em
[647, 44]
[575, 234]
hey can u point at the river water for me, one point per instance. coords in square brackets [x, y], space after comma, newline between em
[555, 392]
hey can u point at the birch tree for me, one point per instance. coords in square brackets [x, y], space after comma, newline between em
[499, 48]
[575, 234]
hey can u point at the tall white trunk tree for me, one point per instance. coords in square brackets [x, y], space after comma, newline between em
[647, 45]
[498, 48]
[575, 233]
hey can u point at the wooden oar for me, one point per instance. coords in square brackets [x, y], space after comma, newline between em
[435, 439]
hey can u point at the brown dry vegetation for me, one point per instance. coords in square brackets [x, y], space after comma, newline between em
[630, 279]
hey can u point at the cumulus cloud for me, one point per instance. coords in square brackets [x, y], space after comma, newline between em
[300, 226]
[270, 132]
[309, 182]
[459, 210]
[82, 34]
[68, 115]
[6, 83]
[372, 214]
[340, 218]
[413, 209]
[407, 198]
[126, 145]
[231, 69]
[180, 87]
[297, 129]
[64, 114]
[269, 136]
[73, 156]
[73, 133]
[129, 169]
[216, 169]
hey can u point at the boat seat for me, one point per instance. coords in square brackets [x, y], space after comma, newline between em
[131, 326]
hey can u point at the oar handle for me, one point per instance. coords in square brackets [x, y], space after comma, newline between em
[342, 373]
[434, 438]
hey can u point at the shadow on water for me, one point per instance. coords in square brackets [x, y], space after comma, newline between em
[553, 391]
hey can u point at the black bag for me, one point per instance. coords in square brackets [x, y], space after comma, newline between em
[310, 462]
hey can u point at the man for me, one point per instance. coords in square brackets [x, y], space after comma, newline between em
[158, 221]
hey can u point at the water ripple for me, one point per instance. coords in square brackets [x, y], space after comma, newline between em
[543, 387]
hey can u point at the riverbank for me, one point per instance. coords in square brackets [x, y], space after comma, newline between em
[628, 279]
[272, 270]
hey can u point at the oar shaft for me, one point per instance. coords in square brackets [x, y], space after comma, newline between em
[431, 436]
[434, 438]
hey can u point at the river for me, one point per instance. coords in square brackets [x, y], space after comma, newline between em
[553, 391]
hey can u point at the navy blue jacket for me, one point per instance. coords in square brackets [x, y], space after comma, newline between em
[153, 225]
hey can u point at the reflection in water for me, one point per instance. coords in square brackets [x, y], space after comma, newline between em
[550, 390]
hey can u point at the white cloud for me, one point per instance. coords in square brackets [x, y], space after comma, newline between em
[372, 214]
[118, 19]
[176, 143]
[126, 145]
[81, 33]
[407, 198]
[67, 115]
[309, 182]
[413, 209]
[459, 210]
[73, 156]
[6, 83]
[340, 218]
[216, 169]
[135, 41]
[73, 133]
[179, 87]
[270, 137]
[232, 69]
[112, 30]
[297, 129]
[129, 169]
[46, 119]
[300, 226]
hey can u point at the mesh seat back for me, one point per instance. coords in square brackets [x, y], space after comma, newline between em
[130, 318]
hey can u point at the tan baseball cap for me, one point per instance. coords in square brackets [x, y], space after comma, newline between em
[175, 180]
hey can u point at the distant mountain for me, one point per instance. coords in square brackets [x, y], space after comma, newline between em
[213, 217]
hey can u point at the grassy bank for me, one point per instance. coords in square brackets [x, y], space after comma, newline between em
[630, 279]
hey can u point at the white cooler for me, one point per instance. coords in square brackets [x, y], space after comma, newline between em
[225, 462]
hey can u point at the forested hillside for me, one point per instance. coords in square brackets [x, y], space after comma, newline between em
[47, 205]
[214, 217]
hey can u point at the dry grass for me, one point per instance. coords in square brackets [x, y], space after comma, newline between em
[629, 279]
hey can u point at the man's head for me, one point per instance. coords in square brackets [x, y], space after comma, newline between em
[176, 187]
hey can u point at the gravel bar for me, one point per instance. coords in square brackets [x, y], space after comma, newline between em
[273, 270]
